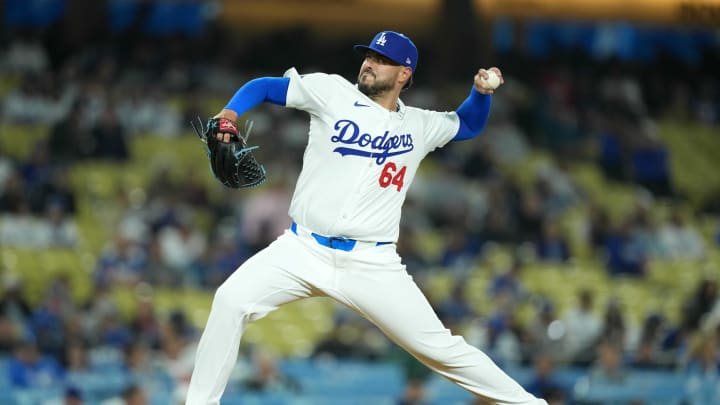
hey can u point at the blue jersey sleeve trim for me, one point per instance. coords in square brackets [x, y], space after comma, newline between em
[473, 114]
[264, 89]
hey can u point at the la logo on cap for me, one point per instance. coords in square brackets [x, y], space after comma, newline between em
[381, 41]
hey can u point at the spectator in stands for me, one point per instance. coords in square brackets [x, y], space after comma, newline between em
[644, 355]
[10, 334]
[644, 229]
[131, 395]
[14, 193]
[60, 191]
[181, 247]
[25, 53]
[460, 249]
[506, 143]
[546, 332]
[85, 326]
[352, 338]
[266, 377]
[38, 173]
[156, 271]
[57, 230]
[49, 317]
[194, 191]
[510, 282]
[552, 246]
[556, 113]
[141, 368]
[265, 215]
[530, 214]
[70, 140]
[135, 395]
[22, 229]
[625, 254]
[612, 150]
[113, 332]
[556, 188]
[135, 360]
[599, 227]
[178, 346]
[651, 167]
[609, 367]
[455, 309]
[649, 353]
[162, 189]
[74, 331]
[336, 345]
[703, 369]
[701, 302]
[544, 382]
[559, 397]
[71, 396]
[145, 325]
[614, 328]
[30, 103]
[413, 394]
[583, 328]
[502, 199]
[122, 262]
[680, 239]
[409, 249]
[704, 355]
[13, 304]
[221, 261]
[109, 137]
[146, 110]
[31, 369]
[706, 105]
[479, 163]
[76, 363]
[7, 167]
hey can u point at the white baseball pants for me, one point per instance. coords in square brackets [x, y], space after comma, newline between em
[370, 280]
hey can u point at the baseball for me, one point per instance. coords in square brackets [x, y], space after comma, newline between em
[493, 80]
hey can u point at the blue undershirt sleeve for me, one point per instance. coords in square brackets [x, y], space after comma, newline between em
[263, 89]
[473, 114]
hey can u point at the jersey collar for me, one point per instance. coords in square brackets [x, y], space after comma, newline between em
[400, 105]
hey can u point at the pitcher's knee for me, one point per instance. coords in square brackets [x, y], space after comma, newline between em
[230, 300]
[451, 351]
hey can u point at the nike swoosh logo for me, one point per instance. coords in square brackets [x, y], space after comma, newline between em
[358, 104]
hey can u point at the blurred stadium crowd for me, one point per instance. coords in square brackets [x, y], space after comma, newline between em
[578, 234]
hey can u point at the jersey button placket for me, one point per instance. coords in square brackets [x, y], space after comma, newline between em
[355, 195]
[351, 202]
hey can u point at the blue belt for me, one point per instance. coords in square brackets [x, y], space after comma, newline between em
[335, 242]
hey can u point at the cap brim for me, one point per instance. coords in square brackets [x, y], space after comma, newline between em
[361, 48]
[364, 48]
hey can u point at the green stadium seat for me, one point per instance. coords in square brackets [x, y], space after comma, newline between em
[18, 141]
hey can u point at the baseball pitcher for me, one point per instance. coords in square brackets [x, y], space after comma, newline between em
[363, 151]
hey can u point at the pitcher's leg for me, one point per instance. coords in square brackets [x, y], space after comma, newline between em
[393, 302]
[259, 286]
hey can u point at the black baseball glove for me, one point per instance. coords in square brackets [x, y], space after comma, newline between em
[231, 162]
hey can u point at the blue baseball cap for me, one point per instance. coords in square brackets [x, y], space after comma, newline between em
[394, 46]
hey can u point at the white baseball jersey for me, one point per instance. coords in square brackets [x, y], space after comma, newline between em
[360, 158]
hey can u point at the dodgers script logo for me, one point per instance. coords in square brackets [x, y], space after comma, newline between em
[382, 146]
